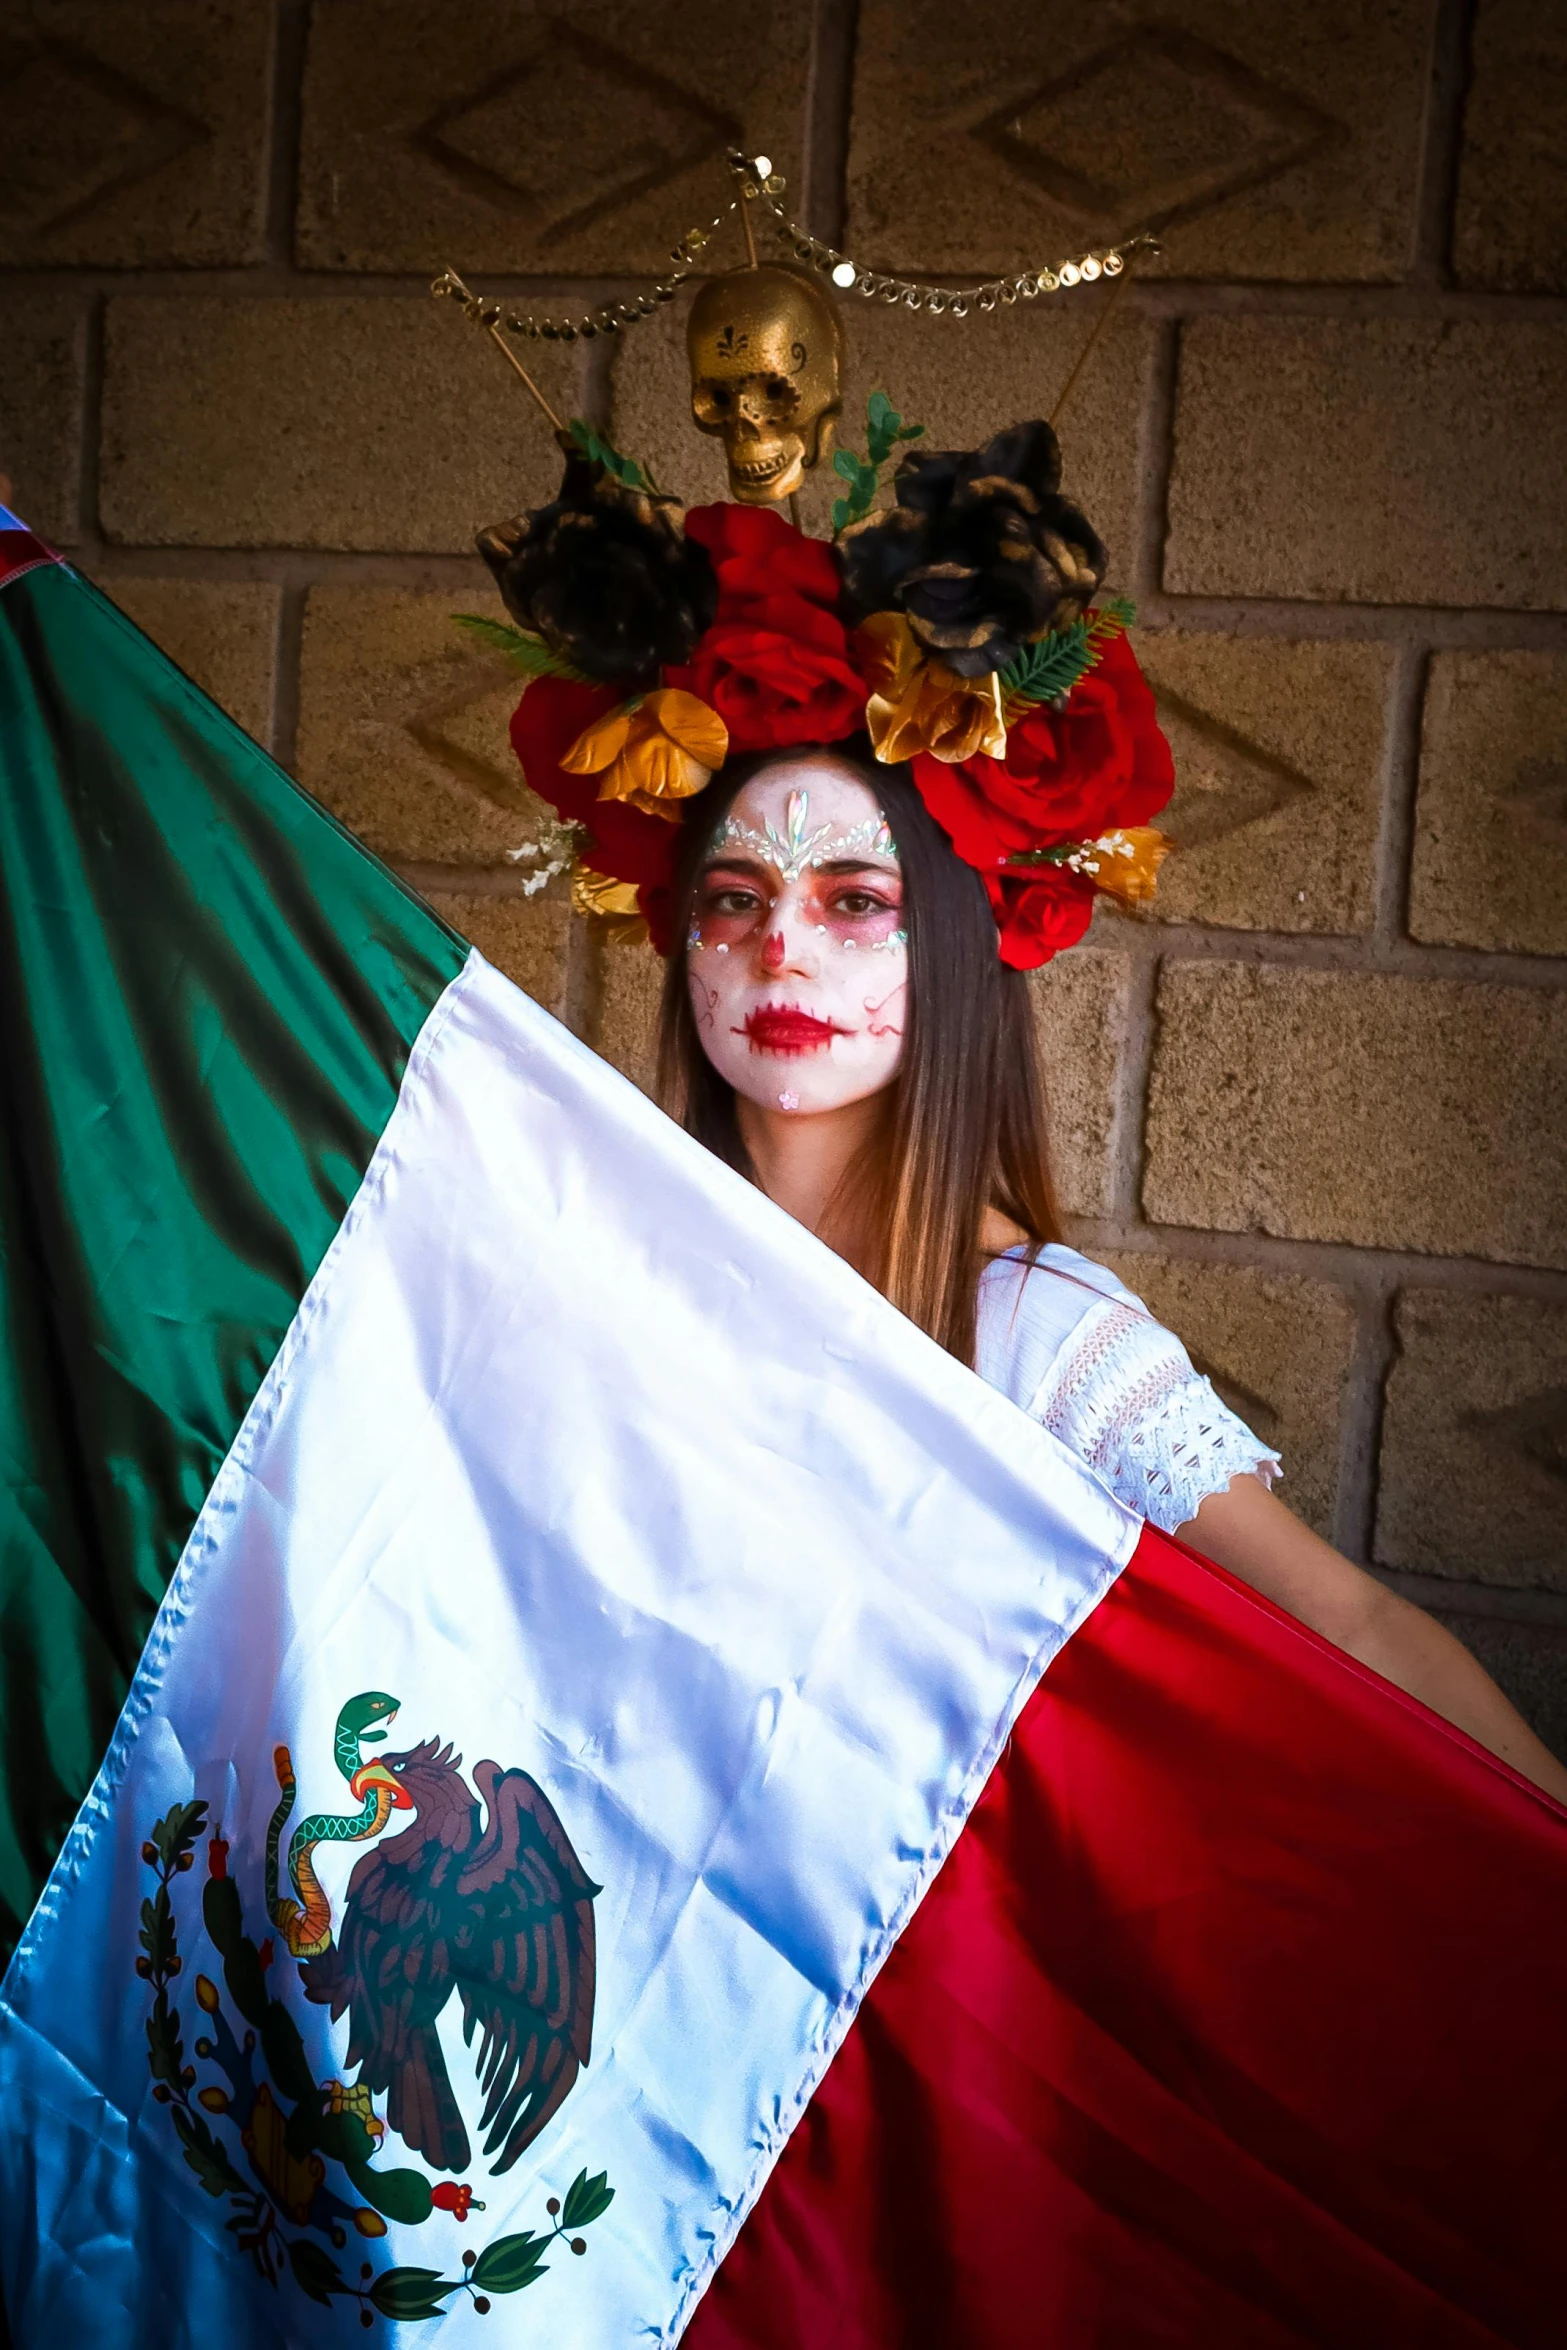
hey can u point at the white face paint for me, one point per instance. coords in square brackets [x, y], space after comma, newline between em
[797, 959]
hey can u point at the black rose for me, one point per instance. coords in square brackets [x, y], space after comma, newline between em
[606, 575]
[981, 554]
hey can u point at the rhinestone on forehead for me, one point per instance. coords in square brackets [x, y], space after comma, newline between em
[797, 846]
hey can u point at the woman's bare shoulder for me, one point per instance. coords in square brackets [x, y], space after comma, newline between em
[998, 1233]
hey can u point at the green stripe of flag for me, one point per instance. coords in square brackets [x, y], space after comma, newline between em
[208, 992]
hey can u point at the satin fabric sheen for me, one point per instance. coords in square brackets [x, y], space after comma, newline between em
[207, 997]
[609, 1472]
[1235, 2019]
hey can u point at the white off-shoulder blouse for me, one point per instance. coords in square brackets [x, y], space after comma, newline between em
[1069, 1343]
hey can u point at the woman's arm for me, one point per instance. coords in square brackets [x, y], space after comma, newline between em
[1249, 1531]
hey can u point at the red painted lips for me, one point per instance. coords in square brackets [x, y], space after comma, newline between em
[780, 1028]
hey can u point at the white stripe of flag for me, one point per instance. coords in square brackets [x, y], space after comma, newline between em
[612, 1474]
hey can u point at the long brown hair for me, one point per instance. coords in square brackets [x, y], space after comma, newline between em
[964, 1124]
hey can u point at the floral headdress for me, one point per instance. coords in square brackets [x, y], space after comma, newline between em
[957, 628]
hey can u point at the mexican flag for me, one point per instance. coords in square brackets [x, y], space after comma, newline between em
[553, 1743]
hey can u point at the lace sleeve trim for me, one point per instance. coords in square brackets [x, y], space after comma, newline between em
[1124, 1396]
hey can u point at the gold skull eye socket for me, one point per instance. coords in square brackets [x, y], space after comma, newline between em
[718, 400]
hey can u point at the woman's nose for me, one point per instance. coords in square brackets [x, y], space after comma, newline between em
[789, 942]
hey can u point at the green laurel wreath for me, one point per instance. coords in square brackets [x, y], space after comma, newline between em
[404, 2295]
[506, 2266]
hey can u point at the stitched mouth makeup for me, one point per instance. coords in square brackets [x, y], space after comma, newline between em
[786, 1030]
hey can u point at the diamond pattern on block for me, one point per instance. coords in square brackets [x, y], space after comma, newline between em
[571, 134]
[462, 726]
[1536, 793]
[1534, 1427]
[77, 135]
[1153, 128]
[1224, 779]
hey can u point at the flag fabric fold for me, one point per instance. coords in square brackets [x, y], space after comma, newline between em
[1234, 2019]
[552, 1742]
[606, 1474]
[207, 996]
[702, 1592]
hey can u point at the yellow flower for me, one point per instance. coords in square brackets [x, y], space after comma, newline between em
[653, 751]
[918, 704]
[1125, 865]
[614, 902]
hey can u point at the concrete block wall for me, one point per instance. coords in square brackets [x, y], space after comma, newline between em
[1314, 1109]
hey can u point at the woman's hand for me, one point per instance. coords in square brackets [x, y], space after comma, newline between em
[1250, 1532]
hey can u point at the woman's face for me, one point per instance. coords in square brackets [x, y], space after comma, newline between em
[797, 958]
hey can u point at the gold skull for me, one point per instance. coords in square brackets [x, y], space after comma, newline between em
[765, 349]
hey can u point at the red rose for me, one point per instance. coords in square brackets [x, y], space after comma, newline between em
[780, 675]
[1039, 914]
[775, 664]
[626, 842]
[1068, 774]
[756, 553]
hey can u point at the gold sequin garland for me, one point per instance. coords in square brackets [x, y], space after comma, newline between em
[757, 182]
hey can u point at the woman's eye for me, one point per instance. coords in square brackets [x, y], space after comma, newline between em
[857, 903]
[733, 901]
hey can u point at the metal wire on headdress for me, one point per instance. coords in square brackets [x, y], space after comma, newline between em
[957, 628]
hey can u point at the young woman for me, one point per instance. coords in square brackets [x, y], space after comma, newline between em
[857, 792]
[840, 1029]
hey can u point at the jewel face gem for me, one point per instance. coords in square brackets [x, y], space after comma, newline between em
[797, 846]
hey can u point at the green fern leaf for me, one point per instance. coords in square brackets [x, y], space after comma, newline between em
[1043, 672]
[518, 644]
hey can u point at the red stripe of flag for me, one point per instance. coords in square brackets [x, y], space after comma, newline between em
[1235, 2018]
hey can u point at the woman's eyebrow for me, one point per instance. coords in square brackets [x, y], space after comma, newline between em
[745, 861]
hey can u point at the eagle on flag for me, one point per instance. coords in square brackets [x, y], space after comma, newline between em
[499, 1912]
